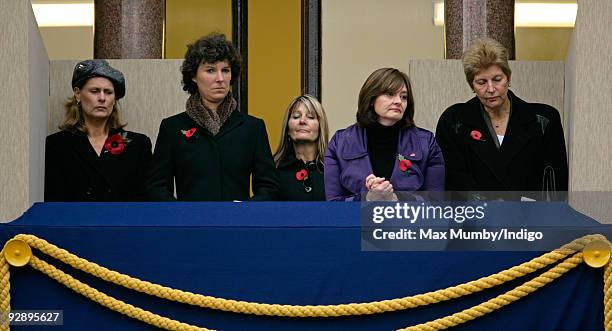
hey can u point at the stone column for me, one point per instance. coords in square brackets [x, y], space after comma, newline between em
[468, 20]
[129, 29]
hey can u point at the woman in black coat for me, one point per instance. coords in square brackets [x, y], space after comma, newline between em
[212, 149]
[496, 141]
[93, 158]
[299, 156]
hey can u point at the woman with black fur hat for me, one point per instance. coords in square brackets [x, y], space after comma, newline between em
[93, 158]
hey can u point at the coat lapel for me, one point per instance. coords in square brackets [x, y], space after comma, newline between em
[235, 120]
[408, 147]
[87, 154]
[520, 130]
[485, 148]
[84, 150]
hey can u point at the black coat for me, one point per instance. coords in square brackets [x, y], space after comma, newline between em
[533, 140]
[74, 172]
[292, 189]
[213, 168]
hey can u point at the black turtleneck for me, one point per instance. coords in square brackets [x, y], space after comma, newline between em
[382, 148]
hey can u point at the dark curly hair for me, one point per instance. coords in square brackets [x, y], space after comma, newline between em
[211, 48]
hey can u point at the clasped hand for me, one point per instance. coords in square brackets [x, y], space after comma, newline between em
[379, 189]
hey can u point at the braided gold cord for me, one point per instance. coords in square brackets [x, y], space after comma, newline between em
[108, 301]
[308, 310]
[608, 297]
[244, 307]
[501, 300]
[5, 293]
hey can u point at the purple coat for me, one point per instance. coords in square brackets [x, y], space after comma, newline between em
[347, 163]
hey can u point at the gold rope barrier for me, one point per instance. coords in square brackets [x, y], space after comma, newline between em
[5, 293]
[319, 310]
[306, 311]
[108, 301]
[608, 297]
[501, 300]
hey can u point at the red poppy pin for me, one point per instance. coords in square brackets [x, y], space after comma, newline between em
[476, 135]
[301, 175]
[189, 133]
[116, 143]
[404, 164]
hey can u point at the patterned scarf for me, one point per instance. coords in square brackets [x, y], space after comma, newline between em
[209, 119]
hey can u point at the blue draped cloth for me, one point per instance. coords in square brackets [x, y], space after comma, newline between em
[286, 253]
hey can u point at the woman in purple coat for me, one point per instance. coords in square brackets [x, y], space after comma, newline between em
[384, 152]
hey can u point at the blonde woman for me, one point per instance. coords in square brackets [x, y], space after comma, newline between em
[93, 158]
[496, 141]
[299, 157]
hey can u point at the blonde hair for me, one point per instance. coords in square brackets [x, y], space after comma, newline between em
[482, 54]
[285, 146]
[74, 120]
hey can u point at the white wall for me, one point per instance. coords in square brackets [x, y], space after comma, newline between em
[38, 87]
[589, 72]
[588, 110]
[360, 36]
[23, 59]
[153, 92]
[67, 43]
[438, 84]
